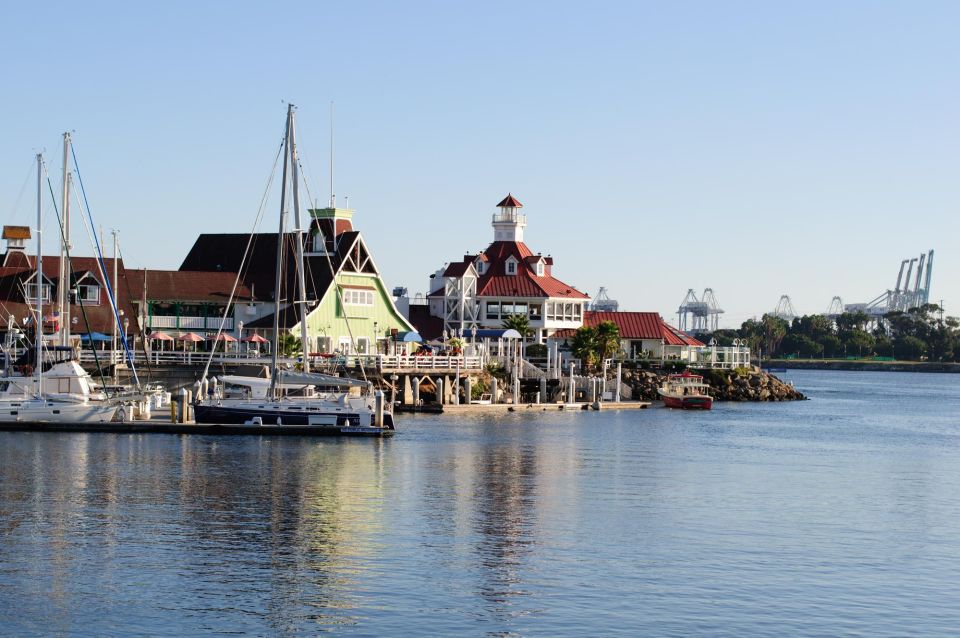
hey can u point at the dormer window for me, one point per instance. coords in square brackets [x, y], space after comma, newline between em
[511, 266]
[481, 267]
[30, 292]
[89, 293]
[540, 268]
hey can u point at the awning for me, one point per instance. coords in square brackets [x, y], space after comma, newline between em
[487, 333]
[409, 336]
[95, 336]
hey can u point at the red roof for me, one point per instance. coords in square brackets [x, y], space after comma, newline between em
[457, 269]
[495, 282]
[636, 325]
[509, 202]
[185, 285]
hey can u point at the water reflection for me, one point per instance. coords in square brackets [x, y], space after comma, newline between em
[283, 526]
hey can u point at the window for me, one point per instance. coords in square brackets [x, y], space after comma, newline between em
[357, 297]
[89, 293]
[363, 345]
[319, 243]
[30, 291]
[511, 267]
[493, 310]
[540, 269]
[536, 311]
[324, 345]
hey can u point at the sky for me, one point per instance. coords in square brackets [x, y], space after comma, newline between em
[755, 148]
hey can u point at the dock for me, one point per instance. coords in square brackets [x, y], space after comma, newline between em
[161, 424]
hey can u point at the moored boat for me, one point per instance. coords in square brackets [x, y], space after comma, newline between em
[686, 391]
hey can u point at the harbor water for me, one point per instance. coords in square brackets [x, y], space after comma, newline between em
[834, 516]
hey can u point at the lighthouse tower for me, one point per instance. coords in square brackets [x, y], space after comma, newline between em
[509, 222]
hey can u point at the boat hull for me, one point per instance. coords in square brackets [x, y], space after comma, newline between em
[36, 411]
[696, 402]
[339, 423]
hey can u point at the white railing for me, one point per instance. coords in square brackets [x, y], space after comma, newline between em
[248, 357]
[190, 323]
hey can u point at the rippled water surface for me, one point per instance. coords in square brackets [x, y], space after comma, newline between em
[835, 516]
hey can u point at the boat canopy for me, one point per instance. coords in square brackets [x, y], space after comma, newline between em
[290, 377]
[489, 333]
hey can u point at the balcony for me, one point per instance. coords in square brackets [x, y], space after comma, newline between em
[189, 323]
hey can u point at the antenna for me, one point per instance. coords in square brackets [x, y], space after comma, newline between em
[333, 196]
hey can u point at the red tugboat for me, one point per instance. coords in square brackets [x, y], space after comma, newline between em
[686, 391]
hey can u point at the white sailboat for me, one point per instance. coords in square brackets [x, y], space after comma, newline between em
[321, 404]
[69, 396]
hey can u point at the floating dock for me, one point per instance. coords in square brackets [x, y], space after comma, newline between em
[160, 424]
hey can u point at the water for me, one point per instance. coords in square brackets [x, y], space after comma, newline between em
[836, 516]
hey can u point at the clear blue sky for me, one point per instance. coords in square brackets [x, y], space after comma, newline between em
[754, 147]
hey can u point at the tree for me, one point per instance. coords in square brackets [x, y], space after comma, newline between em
[860, 342]
[801, 345]
[289, 345]
[774, 330]
[909, 347]
[832, 347]
[518, 322]
[584, 346]
[608, 340]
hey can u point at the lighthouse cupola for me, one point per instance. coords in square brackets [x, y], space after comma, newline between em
[508, 221]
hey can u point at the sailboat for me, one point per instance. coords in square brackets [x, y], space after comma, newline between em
[23, 398]
[321, 404]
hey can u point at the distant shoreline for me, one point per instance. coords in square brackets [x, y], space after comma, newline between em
[861, 366]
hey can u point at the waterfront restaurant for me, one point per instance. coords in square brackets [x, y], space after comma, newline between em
[349, 309]
[643, 336]
[90, 310]
[507, 278]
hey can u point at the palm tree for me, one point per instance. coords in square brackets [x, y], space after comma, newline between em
[584, 346]
[608, 339]
[520, 323]
[289, 345]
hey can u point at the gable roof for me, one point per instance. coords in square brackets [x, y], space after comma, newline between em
[635, 325]
[185, 285]
[495, 282]
[99, 316]
[224, 253]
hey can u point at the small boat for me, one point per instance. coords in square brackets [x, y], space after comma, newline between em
[686, 391]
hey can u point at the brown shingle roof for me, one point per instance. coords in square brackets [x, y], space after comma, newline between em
[16, 232]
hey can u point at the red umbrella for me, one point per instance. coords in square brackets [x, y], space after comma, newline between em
[190, 336]
[160, 336]
[223, 336]
[255, 338]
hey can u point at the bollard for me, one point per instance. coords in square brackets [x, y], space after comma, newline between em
[182, 411]
[173, 411]
[493, 390]
[378, 410]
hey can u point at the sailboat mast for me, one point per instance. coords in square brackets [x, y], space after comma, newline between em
[38, 325]
[279, 266]
[301, 265]
[63, 289]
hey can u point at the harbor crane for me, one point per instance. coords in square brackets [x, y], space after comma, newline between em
[603, 303]
[910, 291]
[784, 309]
[701, 315]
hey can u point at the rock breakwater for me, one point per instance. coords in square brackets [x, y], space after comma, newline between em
[725, 385]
